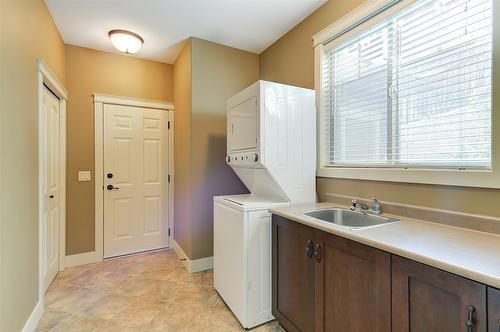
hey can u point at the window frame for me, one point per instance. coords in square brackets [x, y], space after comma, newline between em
[361, 19]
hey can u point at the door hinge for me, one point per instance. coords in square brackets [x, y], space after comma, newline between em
[169, 125]
[168, 178]
[169, 231]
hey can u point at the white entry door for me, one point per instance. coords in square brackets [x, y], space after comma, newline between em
[51, 187]
[135, 179]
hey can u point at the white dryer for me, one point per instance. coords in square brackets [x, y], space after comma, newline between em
[271, 145]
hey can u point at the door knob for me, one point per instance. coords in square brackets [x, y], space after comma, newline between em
[111, 187]
[51, 196]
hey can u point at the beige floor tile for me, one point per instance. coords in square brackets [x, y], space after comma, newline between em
[56, 293]
[139, 286]
[149, 292]
[79, 300]
[109, 305]
[111, 280]
[80, 323]
[119, 326]
[52, 318]
[140, 312]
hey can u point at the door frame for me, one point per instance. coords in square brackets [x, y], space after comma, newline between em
[99, 101]
[46, 77]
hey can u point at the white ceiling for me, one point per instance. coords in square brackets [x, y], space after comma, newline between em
[250, 25]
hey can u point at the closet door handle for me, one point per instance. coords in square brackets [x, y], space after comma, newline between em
[469, 323]
[317, 253]
[309, 249]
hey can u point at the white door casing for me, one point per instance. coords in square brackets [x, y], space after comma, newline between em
[135, 166]
[45, 78]
[51, 186]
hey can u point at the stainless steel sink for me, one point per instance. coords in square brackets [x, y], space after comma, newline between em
[349, 219]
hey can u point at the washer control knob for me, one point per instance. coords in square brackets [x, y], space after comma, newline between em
[228, 159]
[256, 157]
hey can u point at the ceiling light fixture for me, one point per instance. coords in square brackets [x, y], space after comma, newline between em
[126, 41]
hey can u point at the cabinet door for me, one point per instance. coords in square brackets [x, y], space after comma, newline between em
[293, 275]
[493, 310]
[353, 286]
[425, 299]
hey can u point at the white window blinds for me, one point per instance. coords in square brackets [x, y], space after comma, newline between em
[412, 91]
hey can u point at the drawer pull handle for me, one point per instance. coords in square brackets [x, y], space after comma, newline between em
[309, 248]
[469, 323]
[317, 253]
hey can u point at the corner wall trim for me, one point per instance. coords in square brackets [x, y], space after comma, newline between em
[129, 101]
[82, 259]
[195, 265]
[34, 318]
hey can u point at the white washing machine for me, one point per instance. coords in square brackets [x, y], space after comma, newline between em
[242, 255]
[271, 146]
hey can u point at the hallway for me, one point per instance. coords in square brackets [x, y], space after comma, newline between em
[143, 292]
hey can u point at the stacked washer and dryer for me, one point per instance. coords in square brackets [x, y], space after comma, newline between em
[271, 146]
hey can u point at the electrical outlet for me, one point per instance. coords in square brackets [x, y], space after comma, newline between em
[84, 176]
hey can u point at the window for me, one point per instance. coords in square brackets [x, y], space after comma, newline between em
[412, 91]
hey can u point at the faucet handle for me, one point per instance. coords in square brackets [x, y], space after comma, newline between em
[377, 208]
[354, 204]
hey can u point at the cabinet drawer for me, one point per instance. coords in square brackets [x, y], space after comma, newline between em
[493, 309]
[425, 299]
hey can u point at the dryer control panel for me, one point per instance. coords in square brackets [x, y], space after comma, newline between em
[249, 159]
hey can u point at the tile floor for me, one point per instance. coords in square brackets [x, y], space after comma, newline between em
[143, 292]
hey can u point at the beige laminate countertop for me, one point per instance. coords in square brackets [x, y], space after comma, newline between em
[468, 253]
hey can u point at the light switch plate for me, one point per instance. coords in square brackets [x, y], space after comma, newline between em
[83, 176]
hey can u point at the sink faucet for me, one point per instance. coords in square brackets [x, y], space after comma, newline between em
[356, 204]
[376, 209]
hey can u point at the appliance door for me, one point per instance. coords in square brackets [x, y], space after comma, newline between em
[242, 126]
[229, 257]
[259, 277]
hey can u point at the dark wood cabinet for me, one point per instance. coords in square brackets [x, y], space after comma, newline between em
[322, 282]
[326, 283]
[293, 275]
[493, 310]
[353, 286]
[425, 299]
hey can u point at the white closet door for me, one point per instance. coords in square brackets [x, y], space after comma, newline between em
[135, 179]
[51, 187]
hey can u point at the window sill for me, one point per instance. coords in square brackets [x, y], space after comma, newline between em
[463, 178]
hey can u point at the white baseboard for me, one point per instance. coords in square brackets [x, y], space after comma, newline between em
[201, 264]
[195, 265]
[34, 318]
[82, 259]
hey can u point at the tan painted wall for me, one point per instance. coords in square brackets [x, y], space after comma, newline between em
[27, 33]
[182, 150]
[290, 60]
[216, 72]
[90, 71]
